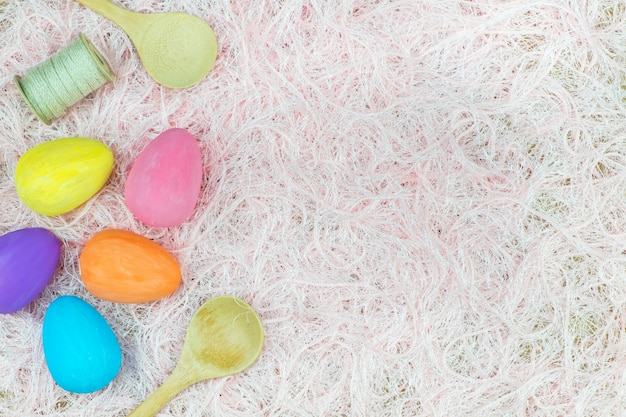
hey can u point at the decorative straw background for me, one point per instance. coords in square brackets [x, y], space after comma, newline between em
[425, 201]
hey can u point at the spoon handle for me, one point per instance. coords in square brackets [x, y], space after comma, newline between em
[178, 380]
[117, 14]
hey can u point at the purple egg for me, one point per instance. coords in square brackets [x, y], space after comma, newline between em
[28, 259]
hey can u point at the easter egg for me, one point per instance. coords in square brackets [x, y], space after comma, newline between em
[28, 260]
[124, 267]
[80, 348]
[57, 176]
[163, 186]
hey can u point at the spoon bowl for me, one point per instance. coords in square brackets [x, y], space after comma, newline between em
[177, 49]
[224, 337]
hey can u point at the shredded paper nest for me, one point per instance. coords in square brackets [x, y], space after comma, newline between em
[424, 201]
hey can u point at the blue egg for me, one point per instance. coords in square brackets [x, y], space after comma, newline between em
[81, 350]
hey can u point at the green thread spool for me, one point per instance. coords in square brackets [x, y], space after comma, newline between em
[56, 84]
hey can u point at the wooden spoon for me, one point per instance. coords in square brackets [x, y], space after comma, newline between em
[225, 336]
[177, 49]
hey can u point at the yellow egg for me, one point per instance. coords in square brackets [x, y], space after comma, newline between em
[57, 176]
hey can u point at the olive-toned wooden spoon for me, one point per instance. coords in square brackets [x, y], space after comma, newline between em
[225, 337]
[177, 49]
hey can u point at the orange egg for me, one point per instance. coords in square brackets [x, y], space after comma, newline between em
[124, 267]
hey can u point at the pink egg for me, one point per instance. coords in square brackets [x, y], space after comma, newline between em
[163, 186]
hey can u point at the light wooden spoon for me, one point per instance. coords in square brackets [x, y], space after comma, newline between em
[225, 337]
[177, 49]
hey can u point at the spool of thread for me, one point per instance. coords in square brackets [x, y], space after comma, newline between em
[65, 78]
